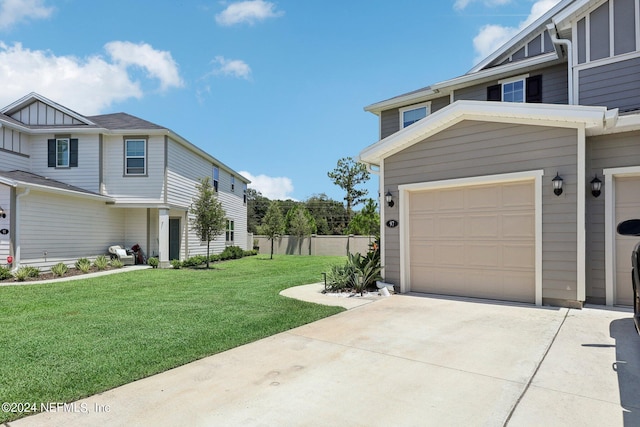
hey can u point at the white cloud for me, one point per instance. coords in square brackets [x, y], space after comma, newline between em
[249, 12]
[231, 67]
[274, 188]
[158, 64]
[88, 85]
[15, 11]
[462, 4]
[491, 37]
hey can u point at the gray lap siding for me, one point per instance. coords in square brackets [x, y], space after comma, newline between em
[472, 149]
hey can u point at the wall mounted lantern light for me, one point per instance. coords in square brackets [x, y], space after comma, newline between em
[596, 186]
[389, 199]
[557, 185]
[1, 210]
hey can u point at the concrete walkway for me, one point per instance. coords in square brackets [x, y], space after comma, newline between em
[404, 360]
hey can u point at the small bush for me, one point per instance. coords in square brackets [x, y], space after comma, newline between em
[194, 261]
[26, 272]
[101, 262]
[60, 269]
[153, 262]
[5, 273]
[232, 252]
[214, 257]
[250, 253]
[116, 263]
[176, 264]
[83, 264]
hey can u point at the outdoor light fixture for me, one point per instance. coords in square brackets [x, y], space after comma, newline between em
[389, 199]
[557, 185]
[1, 210]
[596, 186]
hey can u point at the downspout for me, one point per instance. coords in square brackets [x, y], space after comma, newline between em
[16, 235]
[553, 33]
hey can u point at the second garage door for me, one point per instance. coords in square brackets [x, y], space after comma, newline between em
[476, 241]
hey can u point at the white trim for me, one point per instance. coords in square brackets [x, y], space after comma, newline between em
[514, 79]
[607, 61]
[609, 226]
[612, 30]
[145, 144]
[401, 111]
[383, 221]
[68, 141]
[581, 236]
[404, 197]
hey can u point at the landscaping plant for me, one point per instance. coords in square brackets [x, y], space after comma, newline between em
[83, 264]
[153, 262]
[101, 262]
[60, 269]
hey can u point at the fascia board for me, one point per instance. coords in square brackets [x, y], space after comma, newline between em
[44, 188]
[537, 114]
[446, 86]
[7, 181]
[564, 18]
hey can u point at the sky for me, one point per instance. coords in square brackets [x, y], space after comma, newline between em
[273, 89]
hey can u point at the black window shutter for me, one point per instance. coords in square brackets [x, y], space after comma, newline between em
[51, 151]
[73, 153]
[534, 89]
[494, 93]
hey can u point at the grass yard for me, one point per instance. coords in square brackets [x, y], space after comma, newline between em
[64, 341]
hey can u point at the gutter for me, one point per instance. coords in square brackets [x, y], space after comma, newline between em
[553, 33]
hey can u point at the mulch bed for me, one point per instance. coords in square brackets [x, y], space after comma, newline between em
[49, 276]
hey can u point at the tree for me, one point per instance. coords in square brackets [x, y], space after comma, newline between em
[330, 215]
[257, 206]
[273, 223]
[301, 224]
[367, 221]
[209, 218]
[348, 175]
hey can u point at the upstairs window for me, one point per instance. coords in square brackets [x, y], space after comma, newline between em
[216, 177]
[62, 152]
[233, 183]
[410, 115]
[135, 157]
[517, 89]
[244, 197]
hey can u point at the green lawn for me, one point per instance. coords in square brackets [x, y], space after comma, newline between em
[60, 342]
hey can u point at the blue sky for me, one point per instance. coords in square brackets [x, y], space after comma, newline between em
[273, 89]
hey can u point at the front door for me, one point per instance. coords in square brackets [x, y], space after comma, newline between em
[174, 238]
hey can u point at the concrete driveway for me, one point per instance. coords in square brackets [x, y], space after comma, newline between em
[406, 360]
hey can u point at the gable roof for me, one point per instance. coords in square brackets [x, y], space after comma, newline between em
[594, 118]
[484, 71]
[35, 97]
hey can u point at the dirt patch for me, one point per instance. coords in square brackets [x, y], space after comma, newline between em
[50, 276]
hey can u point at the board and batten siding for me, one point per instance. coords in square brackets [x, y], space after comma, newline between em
[66, 228]
[85, 176]
[473, 149]
[133, 189]
[603, 152]
[613, 85]
[14, 149]
[39, 113]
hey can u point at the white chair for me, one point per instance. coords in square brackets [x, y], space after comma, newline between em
[122, 255]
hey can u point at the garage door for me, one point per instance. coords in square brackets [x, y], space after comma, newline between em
[476, 241]
[627, 206]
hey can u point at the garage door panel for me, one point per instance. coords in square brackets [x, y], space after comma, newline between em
[518, 225]
[627, 206]
[483, 243]
[485, 225]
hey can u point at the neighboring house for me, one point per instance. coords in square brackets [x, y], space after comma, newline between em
[72, 185]
[470, 163]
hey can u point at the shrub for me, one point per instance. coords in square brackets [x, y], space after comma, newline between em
[214, 257]
[232, 252]
[116, 263]
[153, 262]
[250, 253]
[101, 262]
[194, 261]
[83, 264]
[5, 273]
[340, 277]
[26, 272]
[176, 264]
[60, 269]
[367, 270]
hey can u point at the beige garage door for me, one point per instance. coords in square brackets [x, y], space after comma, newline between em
[476, 241]
[627, 207]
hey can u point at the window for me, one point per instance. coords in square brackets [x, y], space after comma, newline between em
[517, 89]
[233, 183]
[513, 91]
[244, 198]
[410, 115]
[229, 232]
[216, 177]
[62, 152]
[135, 157]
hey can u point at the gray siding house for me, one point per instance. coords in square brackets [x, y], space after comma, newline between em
[73, 185]
[470, 166]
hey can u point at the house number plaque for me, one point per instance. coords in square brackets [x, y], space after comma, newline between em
[4, 231]
[392, 223]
